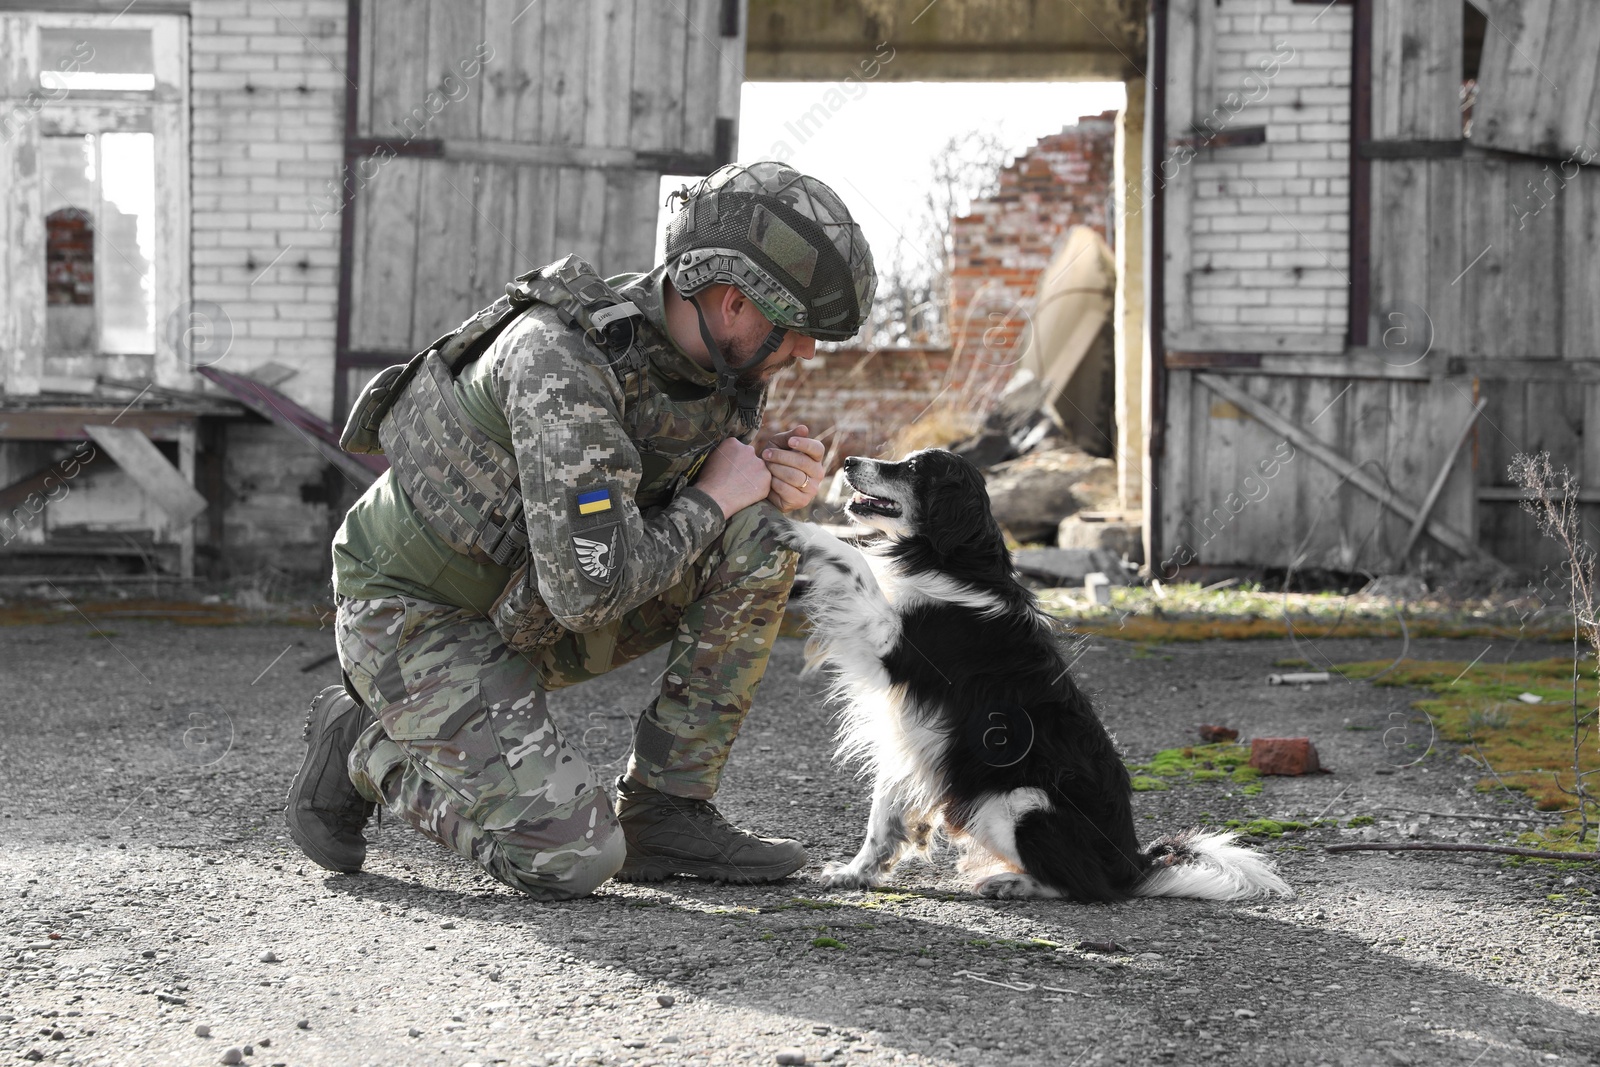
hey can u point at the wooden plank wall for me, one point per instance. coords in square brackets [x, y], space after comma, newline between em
[1298, 512]
[555, 146]
[1484, 281]
[1539, 60]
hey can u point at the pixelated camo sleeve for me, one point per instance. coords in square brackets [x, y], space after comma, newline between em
[595, 555]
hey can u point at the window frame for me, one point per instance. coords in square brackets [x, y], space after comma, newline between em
[27, 113]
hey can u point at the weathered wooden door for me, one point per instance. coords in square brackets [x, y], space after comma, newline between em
[1485, 236]
[491, 136]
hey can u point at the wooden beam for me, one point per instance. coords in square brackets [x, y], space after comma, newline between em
[1232, 138]
[137, 455]
[1511, 494]
[1442, 477]
[1410, 149]
[62, 470]
[67, 424]
[1554, 369]
[1353, 474]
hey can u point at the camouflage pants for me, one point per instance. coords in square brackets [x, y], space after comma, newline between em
[465, 751]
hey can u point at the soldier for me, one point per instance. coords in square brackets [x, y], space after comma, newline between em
[571, 486]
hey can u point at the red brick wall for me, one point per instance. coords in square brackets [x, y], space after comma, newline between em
[862, 398]
[1004, 243]
[859, 399]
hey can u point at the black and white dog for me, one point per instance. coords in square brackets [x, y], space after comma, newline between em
[959, 702]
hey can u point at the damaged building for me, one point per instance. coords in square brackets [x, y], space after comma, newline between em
[1347, 263]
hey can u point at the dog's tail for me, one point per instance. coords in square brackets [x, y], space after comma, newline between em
[1208, 866]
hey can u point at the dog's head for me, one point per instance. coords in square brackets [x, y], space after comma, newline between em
[932, 495]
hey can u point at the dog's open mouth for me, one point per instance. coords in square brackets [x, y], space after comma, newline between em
[860, 501]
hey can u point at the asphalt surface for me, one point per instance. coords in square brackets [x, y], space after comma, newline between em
[150, 894]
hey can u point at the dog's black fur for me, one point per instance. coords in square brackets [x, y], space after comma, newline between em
[971, 666]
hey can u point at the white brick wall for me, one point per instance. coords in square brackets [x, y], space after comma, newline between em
[268, 129]
[1270, 233]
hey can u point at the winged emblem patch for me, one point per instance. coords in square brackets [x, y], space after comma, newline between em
[596, 558]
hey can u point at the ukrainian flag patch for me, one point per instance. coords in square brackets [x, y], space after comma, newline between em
[594, 502]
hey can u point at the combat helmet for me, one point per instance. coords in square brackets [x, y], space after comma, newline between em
[785, 240]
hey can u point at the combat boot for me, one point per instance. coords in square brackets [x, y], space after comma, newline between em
[670, 835]
[326, 813]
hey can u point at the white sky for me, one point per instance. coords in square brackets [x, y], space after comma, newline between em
[878, 142]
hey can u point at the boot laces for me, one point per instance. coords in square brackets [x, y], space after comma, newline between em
[703, 811]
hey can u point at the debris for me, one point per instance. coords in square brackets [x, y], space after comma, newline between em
[922, 961]
[202, 1030]
[268, 957]
[303, 1024]
[1020, 987]
[791, 1055]
[33, 1055]
[1102, 529]
[1284, 755]
[233, 1056]
[1062, 567]
[1243, 1013]
[1097, 587]
[1105, 948]
[1213, 734]
[1298, 678]
[148, 954]
[413, 1032]
[1530, 698]
[666, 1000]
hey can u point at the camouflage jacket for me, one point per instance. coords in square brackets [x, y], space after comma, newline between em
[604, 460]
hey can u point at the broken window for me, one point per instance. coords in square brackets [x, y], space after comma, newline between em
[99, 206]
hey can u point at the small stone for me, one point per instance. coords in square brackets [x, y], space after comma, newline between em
[413, 1032]
[202, 1030]
[447, 926]
[791, 1055]
[666, 1000]
[33, 1055]
[303, 1024]
[922, 961]
[149, 953]
[233, 1055]
[249, 1050]
[268, 956]
[265, 1042]
[1243, 1013]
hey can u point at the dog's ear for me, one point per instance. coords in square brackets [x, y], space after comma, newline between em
[957, 516]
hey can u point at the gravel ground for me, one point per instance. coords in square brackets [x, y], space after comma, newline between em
[151, 896]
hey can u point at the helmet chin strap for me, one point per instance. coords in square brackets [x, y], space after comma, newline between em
[729, 378]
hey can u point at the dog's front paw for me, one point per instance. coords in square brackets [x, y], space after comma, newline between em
[795, 536]
[847, 876]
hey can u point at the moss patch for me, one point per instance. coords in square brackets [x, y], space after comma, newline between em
[1197, 763]
[1527, 745]
[1267, 827]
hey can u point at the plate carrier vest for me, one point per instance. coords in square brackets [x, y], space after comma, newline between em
[462, 481]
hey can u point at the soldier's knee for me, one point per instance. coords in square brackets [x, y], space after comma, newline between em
[566, 872]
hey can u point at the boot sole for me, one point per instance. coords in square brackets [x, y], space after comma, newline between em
[657, 870]
[312, 849]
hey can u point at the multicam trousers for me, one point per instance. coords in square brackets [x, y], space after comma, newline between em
[465, 751]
